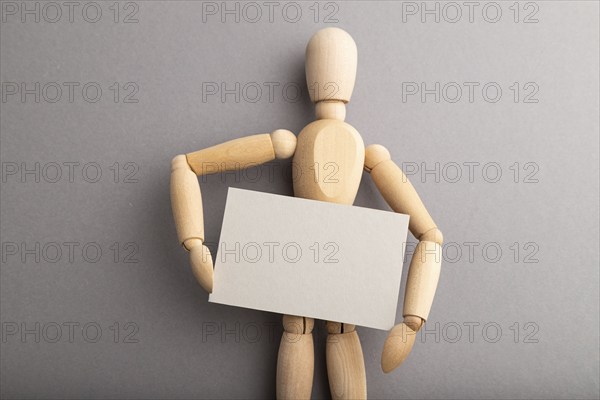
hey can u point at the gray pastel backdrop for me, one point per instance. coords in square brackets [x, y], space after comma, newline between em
[120, 316]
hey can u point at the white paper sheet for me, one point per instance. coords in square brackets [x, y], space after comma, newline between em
[310, 258]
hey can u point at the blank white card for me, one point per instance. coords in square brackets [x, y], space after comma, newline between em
[310, 258]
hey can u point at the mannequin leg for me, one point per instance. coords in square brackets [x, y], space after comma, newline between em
[345, 362]
[295, 363]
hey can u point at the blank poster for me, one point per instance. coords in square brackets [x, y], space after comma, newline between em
[310, 258]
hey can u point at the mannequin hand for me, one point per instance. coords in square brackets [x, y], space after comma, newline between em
[397, 346]
[202, 264]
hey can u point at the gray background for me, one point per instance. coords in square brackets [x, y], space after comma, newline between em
[168, 54]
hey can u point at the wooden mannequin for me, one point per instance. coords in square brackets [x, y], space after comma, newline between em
[325, 145]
